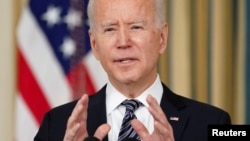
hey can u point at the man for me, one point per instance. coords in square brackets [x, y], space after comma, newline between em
[127, 37]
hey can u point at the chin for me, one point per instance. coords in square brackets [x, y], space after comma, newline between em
[128, 80]
[126, 77]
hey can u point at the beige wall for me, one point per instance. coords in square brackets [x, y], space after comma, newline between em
[9, 12]
[7, 71]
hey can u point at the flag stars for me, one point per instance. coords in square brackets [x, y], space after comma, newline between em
[52, 16]
[68, 47]
[73, 19]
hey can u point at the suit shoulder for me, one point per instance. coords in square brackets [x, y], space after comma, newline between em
[194, 107]
[205, 109]
[64, 109]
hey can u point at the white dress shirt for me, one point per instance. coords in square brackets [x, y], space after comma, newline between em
[115, 111]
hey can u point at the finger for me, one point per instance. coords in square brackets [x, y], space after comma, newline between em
[164, 132]
[155, 109]
[160, 132]
[70, 133]
[81, 132]
[76, 126]
[140, 129]
[162, 127]
[81, 107]
[79, 112]
[102, 131]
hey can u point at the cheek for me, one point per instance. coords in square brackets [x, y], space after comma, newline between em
[103, 52]
[156, 45]
[152, 50]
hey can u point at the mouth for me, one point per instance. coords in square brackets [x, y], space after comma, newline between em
[125, 60]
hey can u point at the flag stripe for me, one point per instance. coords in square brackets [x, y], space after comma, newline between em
[30, 91]
[54, 60]
[80, 73]
[42, 62]
[26, 125]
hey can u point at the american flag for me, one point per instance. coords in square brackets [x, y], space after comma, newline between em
[55, 63]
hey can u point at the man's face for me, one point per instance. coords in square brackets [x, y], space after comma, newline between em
[126, 40]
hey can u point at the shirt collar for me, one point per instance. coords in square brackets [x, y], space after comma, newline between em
[114, 98]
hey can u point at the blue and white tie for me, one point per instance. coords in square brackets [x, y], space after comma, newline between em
[127, 130]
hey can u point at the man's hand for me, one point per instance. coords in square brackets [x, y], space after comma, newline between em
[77, 123]
[162, 129]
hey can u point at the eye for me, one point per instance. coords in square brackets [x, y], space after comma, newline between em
[109, 29]
[136, 27]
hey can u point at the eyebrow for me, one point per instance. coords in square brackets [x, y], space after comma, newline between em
[108, 24]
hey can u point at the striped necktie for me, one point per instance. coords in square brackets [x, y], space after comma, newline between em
[127, 130]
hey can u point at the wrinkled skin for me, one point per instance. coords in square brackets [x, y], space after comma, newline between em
[127, 40]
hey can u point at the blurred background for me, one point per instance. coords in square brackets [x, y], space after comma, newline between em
[45, 58]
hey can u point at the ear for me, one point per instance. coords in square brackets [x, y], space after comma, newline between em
[163, 38]
[93, 44]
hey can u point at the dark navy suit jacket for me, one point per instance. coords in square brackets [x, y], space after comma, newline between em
[189, 118]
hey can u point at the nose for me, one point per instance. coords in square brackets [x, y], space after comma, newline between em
[124, 38]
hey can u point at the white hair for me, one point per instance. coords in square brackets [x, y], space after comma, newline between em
[160, 12]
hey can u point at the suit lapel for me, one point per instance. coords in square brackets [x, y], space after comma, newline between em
[97, 111]
[172, 105]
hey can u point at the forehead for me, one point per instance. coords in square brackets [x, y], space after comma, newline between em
[121, 2]
[123, 8]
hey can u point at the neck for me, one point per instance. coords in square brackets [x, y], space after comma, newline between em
[134, 89]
